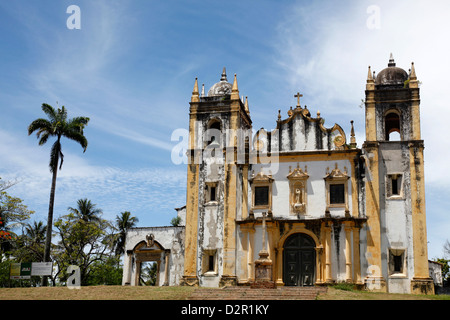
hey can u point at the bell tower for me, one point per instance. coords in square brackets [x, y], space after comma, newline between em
[217, 179]
[397, 258]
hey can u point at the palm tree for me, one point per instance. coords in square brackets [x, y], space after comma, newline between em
[57, 126]
[36, 235]
[123, 223]
[86, 211]
[35, 232]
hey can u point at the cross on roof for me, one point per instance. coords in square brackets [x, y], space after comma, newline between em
[298, 96]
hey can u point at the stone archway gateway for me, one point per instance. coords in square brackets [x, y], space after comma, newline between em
[299, 260]
[148, 251]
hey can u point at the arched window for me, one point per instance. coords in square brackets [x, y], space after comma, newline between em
[392, 126]
[213, 132]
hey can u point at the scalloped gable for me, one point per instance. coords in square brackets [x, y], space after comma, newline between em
[300, 132]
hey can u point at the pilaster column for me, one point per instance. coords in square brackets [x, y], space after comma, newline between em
[348, 253]
[356, 255]
[328, 275]
[250, 257]
[166, 268]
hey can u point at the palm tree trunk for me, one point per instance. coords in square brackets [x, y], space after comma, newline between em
[48, 237]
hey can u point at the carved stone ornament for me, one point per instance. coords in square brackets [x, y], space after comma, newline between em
[336, 173]
[261, 177]
[150, 240]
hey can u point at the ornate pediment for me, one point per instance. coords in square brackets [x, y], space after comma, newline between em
[336, 173]
[261, 177]
[298, 173]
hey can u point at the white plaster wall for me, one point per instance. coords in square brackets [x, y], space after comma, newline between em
[396, 223]
[316, 188]
[212, 238]
[170, 238]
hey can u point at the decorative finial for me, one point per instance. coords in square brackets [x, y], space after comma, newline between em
[195, 95]
[279, 115]
[224, 75]
[369, 75]
[298, 96]
[234, 89]
[246, 105]
[412, 75]
[203, 90]
[352, 137]
[391, 61]
[318, 114]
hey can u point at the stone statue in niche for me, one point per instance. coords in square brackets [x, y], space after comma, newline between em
[297, 185]
[298, 205]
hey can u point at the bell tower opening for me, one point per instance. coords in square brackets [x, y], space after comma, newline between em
[392, 126]
[214, 132]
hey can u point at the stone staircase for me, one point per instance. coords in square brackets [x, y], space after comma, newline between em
[247, 293]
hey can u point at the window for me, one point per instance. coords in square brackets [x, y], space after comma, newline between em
[211, 195]
[397, 262]
[337, 193]
[261, 196]
[398, 265]
[209, 262]
[394, 186]
[261, 191]
[337, 189]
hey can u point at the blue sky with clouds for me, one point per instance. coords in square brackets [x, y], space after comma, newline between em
[131, 69]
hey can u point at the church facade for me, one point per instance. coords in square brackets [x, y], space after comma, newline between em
[302, 198]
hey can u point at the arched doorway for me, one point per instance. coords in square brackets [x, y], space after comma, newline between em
[146, 253]
[299, 260]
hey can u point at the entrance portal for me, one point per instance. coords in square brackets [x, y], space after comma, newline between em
[299, 260]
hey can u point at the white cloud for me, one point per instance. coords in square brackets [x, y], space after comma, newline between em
[150, 193]
[325, 52]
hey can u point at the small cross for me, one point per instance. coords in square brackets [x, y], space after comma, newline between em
[298, 96]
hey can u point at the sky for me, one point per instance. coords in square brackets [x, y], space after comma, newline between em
[131, 66]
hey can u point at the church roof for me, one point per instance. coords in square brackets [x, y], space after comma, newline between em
[223, 87]
[391, 75]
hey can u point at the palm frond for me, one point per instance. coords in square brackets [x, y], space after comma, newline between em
[76, 136]
[79, 121]
[49, 111]
[41, 125]
[44, 138]
[62, 114]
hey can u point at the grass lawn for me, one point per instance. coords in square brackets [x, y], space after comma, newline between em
[175, 293]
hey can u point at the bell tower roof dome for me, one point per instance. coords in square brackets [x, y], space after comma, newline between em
[223, 87]
[391, 75]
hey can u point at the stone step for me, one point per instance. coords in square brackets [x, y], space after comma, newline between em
[246, 293]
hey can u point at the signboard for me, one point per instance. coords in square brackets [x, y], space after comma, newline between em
[41, 268]
[14, 271]
[25, 270]
[20, 270]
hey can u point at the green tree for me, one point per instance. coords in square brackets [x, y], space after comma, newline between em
[86, 211]
[83, 242]
[57, 125]
[175, 221]
[148, 274]
[30, 245]
[123, 223]
[13, 214]
[107, 271]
